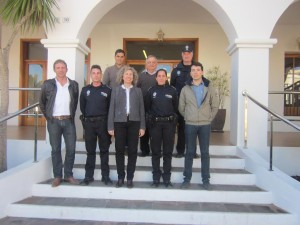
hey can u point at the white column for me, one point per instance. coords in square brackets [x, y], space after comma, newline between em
[250, 72]
[72, 51]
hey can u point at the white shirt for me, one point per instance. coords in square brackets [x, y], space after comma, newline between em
[127, 98]
[62, 100]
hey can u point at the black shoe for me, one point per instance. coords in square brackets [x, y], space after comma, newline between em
[144, 154]
[206, 185]
[106, 180]
[185, 185]
[196, 156]
[168, 184]
[129, 184]
[179, 155]
[155, 183]
[120, 183]
[87, 181]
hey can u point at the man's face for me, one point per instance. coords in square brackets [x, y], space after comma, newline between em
[96, 75]
[187, 57]
[151, 64]
[196, 73]
[61, 70]
[120, 58]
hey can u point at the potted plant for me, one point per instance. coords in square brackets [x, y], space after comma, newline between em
[220, 82]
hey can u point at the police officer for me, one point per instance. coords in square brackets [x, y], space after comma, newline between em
[180, 74]
[147, 80]
[161, 106]
[94, 105]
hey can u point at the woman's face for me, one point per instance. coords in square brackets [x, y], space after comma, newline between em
[161, 77]
[128, 77]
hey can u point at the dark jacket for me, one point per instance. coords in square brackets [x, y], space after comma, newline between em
[48, 94]
[180, 75]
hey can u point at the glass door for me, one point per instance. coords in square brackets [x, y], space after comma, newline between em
[35, 74]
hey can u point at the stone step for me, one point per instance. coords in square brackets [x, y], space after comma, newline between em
[144, 173]
[144, 191]
[39, 221]
[213, 149]
[216, 161]
[143, 211]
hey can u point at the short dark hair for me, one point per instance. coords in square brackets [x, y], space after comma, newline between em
[96, 67]
[198, 64]
[119, 51]
[161, 70]
[59, 61]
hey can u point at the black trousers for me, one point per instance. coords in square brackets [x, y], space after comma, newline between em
[162, 134]
[96, 130]
[144, 142]
[126, 133]
[180, 147]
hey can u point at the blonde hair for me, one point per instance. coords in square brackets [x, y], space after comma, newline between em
[122, 71]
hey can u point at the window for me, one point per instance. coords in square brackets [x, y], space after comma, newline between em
[168, 51]
[292, 83]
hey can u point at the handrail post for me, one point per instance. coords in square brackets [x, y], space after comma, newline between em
[36, 112]
[271, 142]
[246, 123]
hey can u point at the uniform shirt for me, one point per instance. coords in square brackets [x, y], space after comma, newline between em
[161, 101]
[146, 81]
[180, 74]
[62, 100]
[94, 101]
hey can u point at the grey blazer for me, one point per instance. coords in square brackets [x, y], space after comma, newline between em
[117, 108]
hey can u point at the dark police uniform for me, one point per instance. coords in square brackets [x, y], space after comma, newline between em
[161, 106]
[180, 74]
[94, 105]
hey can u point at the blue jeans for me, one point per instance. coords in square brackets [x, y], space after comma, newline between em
[192, 132]
[57, 129]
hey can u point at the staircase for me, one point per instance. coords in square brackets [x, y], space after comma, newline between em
[233, 200]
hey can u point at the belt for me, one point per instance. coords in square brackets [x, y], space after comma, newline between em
[164, 119]
[62, 117]
[95, 118]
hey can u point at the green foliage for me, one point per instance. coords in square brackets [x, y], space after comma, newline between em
[220, 82]
[38, 12]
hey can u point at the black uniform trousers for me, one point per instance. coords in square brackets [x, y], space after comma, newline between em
[126, 133]
[96, 130]
[144, 143]
[180, 147]
[162, 134]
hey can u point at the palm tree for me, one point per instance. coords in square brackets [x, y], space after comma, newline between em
[22, 16]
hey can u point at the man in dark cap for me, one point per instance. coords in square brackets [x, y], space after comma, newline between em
[180, 74]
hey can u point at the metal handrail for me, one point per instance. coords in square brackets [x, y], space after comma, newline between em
[19, 113]
[284, 92]
[272, 114]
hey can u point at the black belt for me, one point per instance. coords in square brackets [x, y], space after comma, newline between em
[163, 118]
[95, 118]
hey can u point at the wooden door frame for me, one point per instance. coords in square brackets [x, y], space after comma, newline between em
[174, 62]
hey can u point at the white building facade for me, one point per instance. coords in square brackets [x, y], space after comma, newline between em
[245, 39]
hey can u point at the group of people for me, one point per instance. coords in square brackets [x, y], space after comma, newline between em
[130, 107]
